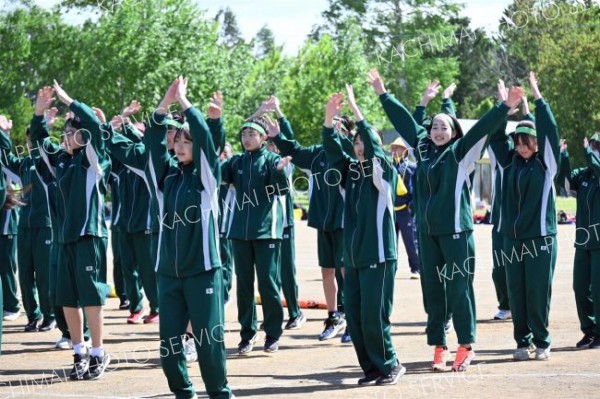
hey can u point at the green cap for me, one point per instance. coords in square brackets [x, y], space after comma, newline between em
[526, 130]
[596, 137]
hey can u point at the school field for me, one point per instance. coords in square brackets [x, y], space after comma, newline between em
[307, 368]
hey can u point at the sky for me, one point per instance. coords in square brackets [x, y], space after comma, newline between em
[292, 20]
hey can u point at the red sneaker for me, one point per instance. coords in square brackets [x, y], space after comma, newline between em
[440, 357]
[463, 358]
[136, 317]
[151, 318]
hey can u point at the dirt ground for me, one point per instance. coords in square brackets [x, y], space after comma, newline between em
[307, 368]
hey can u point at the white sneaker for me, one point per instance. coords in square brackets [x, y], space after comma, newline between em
[449, 326]
[10, 316]
[415, 275]
[503, 315]
[523, 353]
[542, 354]
[190, 350]
[63, 343]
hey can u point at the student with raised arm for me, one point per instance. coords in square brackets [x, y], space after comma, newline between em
[369, 242]
[420, 116]
[528, 223]
[431, 91]
[190, 283]
[445, 159]
[82, 170]
[586, 267]
[325, 213]
[498, 268]
[35, 234]
[255, 230]
[287, 260]
[136, 235]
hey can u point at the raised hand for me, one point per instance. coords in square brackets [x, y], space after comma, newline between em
[524, 106]
[50, 116]
[351, 99]
[502, 91]
[265, 107]
[215, 106]
[43, 100]
[133, 108]
[181, 89]
[168, 98]
[431, 91]
[375, 80]
[119, 120]
[534, 86]
[277, 106]
[284, 162]
[586, 143]
[449, 91]
[5, 124]
[62, 95]
[333, 108]
[563, 145]
[99, 114]
[272, 127]
[515, 94]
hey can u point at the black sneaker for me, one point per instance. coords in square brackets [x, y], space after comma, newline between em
[271, 345]
[245, 346]
[97, 366]
[595, 343]
[48, 325]
[585, 341]
[370, 378]
[32, 326]
[393, 377]
[81, 365]
[333, 325]
[124, 305]
[295, 323]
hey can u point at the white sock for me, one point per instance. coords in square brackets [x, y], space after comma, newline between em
[97, 352]
[80, 348]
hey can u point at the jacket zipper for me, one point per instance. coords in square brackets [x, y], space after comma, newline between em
[519, 191]
[249, 185]
[177, 230]
[132, 204]
[356, 211]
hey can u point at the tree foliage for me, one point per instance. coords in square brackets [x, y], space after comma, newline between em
[132, 49]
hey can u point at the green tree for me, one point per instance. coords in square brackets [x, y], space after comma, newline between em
[407, 40]
[321, 69]
[560, 40]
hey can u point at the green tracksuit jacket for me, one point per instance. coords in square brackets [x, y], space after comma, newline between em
[81, 178]
[325, 193]
[585, 182]
[528, 198]
[442, 174]
[188, 195]
[257, 212]
[369, 233]
[35, 213]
